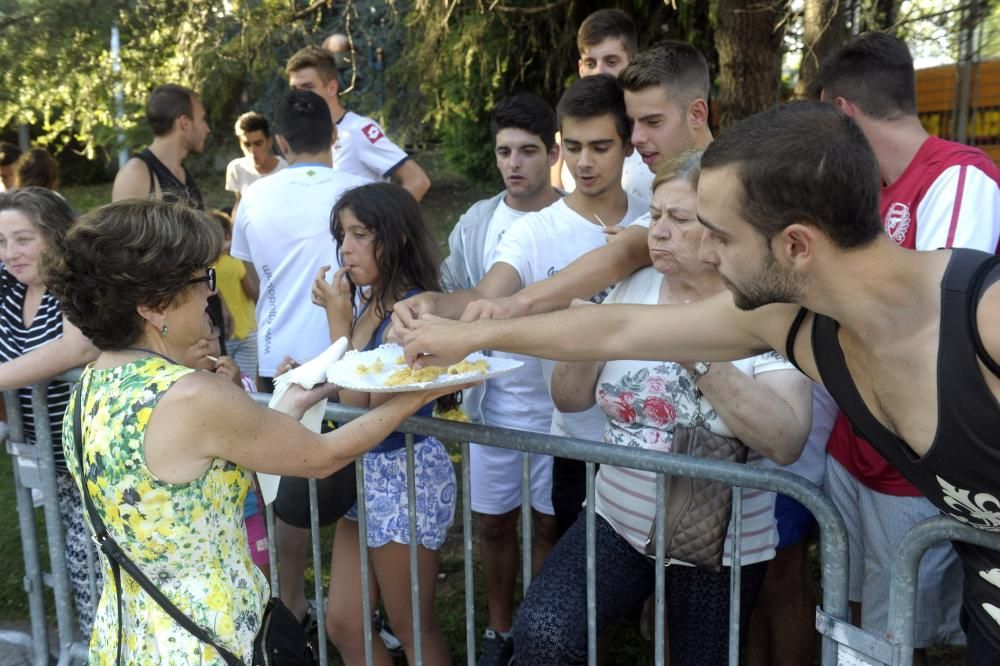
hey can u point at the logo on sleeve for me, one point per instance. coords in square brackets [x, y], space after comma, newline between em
[373, 132]
[897, 222]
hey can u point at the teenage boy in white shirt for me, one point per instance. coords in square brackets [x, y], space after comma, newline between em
[595, 134]
[254, 134]
[608, 42]
[524, 131]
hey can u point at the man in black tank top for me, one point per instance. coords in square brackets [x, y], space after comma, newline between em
[903, 340]
[177, 118]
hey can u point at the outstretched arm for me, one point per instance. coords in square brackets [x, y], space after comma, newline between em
[588, 275]
[70, 351]
[709, 330]
[771, 412]
[203, 417]
[500, 280]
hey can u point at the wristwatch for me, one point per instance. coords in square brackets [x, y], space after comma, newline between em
[699, 368]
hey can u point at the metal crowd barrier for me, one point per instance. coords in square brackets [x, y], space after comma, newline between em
[841, 642]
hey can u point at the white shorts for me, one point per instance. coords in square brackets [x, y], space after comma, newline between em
[876, 525]
[496, 480]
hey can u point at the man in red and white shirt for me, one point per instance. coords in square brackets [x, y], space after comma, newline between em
[361, 147]
[935, 194]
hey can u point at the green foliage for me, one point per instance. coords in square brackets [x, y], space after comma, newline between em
[461, 57]
[56, 70]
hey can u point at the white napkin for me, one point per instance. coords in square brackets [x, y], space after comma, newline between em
[307, 375]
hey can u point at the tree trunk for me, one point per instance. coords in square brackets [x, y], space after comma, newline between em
[824, 29]
[748, 37]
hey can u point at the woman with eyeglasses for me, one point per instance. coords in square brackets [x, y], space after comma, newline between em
[167, 450]
[37, 343]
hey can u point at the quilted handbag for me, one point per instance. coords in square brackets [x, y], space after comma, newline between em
[698, 511]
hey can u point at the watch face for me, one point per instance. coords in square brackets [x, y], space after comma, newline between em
[700, 368]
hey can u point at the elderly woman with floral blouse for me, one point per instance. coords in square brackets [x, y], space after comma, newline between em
[763, 401]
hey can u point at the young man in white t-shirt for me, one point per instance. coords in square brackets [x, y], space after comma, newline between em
[595, 142]
[608, 42]
[524, 130]
[282, 233]
[259, 160]
[360, 146]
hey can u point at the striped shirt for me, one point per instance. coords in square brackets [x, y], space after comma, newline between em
[17, 340]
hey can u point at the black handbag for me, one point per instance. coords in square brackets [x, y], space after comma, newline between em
[280, 641]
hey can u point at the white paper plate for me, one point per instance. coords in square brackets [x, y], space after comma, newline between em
[347, 373]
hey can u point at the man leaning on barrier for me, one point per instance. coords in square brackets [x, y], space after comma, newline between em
[905, 341]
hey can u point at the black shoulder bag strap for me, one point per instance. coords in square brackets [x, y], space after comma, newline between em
[119, 560]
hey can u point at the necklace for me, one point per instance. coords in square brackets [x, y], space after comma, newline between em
[150, 351]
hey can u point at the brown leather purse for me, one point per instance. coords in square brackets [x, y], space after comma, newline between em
[698, 511]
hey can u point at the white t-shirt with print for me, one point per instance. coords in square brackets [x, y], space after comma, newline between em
[637, 179]
[519, 399]
[643, 401]
[242, 171]
[283, 227]
[540, 245]
[363, 149]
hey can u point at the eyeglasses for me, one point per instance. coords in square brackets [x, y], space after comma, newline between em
[209, 278]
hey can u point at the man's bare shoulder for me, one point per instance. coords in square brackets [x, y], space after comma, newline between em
[988, 318]
[131, 181]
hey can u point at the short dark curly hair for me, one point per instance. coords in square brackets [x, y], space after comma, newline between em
[126, 254]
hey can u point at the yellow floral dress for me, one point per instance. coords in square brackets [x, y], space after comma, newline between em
[188, 538]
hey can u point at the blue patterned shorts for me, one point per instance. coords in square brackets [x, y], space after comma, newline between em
[386, 500]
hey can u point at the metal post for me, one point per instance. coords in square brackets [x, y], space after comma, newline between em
[411, 495]
[659, 621]
[470, 596]
[905, 566]
[526, 523]
[29, 539]
[53, 517]
[366, 593]
[735, 568]
[966, 56]
[272, 550]
[317, 556]
[591, 569]
[116, 68]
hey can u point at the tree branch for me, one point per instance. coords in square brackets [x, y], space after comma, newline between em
[528, 10]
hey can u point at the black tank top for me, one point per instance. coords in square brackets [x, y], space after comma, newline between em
[173, 189]
[960, 473]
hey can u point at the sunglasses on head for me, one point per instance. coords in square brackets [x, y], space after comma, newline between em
[209, 278]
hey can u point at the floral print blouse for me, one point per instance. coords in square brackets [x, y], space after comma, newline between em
[188, 538]
[643, 402]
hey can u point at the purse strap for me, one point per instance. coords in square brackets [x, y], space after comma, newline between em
[119, 560]
[699, 418]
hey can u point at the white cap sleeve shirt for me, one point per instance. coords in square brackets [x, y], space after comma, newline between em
[363, 149]
[538, 246]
